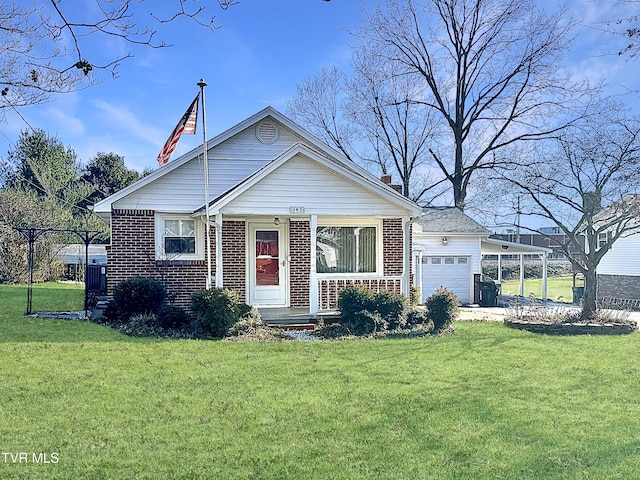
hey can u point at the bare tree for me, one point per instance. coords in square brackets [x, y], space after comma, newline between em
[628, 28]
[491, 71]
[42, 43]
[587, 185]
[370, 118]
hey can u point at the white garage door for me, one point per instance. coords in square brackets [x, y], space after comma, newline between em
[449, 272]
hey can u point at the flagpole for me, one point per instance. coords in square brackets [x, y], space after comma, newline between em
[203, 84]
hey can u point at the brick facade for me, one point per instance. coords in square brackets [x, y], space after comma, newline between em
[300, 265]
[234, 257]
[619, 287]
[392, 246]
[132, 254]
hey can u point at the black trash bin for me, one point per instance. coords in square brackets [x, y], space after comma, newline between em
[578, 293]
[488, 294]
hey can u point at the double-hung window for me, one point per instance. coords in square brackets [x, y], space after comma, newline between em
[347, 249]
[178, 238]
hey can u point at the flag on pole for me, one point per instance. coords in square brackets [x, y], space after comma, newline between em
[186, 125]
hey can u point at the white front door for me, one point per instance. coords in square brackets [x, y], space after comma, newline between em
[268, 265]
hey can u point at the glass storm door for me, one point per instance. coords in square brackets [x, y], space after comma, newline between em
[268, 266]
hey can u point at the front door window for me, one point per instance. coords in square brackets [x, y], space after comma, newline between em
[267, 258]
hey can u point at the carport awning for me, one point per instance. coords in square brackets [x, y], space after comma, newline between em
[493, 246]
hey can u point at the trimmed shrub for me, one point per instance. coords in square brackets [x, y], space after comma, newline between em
[392, 308]
[442, 308]
[135, 296]
[215, 311]
[364, 312]
[174, 317]
[417, 316]
[354, 299]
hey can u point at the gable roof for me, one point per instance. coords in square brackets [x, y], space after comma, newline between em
[313, 146]
[367, 182]
[439, 220]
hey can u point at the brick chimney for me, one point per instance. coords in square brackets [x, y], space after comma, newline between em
[386, 179]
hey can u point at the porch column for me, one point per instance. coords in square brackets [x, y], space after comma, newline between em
[405, 287]
[313, 275]
[219, 283]
[521, 275]
[499, 268]
[418, 279]
[544, 275]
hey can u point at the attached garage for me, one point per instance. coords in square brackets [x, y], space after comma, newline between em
[446, 248]
[453, 273]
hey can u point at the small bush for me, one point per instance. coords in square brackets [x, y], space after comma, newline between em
[392, 308]
[135, 296]
[174, 317]
[364, 312]
[442, 308]
[332, 331]
[354, 299]
[215, 311]
[417, 316]
[246, 326]
[140, 325]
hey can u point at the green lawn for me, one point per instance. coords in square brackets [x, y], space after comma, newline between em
[485, 402]
[556, 287]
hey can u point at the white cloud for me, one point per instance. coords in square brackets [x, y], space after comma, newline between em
[123, 119]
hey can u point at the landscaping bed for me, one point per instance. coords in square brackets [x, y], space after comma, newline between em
[573, 328]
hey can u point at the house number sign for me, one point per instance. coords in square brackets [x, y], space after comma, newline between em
[296, 209]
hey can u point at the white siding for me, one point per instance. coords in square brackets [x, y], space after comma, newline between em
[230, 162]
[301, 182]
[456, 246]
[623, 258]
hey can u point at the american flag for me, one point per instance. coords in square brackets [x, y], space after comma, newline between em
[186, 125]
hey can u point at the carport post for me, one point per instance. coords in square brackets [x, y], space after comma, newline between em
[521, 275]
[544, 275]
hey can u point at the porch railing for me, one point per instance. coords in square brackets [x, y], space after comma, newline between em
[330, 287]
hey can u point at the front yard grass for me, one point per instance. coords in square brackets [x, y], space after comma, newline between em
[484, 402]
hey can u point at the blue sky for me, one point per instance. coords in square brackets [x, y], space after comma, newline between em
[263, 49]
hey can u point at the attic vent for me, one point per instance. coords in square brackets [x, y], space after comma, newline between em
[267, 132]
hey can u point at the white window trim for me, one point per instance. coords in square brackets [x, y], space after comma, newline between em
[356, 222]
[159, 234]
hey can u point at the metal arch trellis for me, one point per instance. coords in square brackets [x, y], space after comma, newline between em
[32, 234]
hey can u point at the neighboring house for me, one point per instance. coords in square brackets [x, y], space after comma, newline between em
[549, 237]
[619, 271]
[73, 257]
[293, 221]
[447, 248]
[619, 268]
